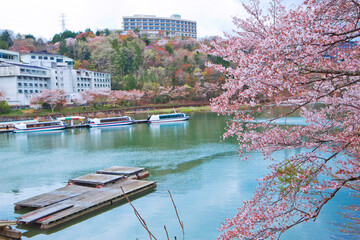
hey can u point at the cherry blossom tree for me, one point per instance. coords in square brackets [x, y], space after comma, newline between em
[293, 57]
[94, 97]
[54, 98]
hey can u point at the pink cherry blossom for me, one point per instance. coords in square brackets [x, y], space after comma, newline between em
[52, 97]
[294, 58]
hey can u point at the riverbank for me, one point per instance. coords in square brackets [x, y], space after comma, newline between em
[42, 115]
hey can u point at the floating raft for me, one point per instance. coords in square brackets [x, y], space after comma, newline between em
[7, 232]
[83, 195]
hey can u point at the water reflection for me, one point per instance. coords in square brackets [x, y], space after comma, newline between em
[157, 129]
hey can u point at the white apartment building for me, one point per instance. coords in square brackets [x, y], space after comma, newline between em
[9, 56]
[42, 70]
[45, 59]
[19, 82]
[152, 26]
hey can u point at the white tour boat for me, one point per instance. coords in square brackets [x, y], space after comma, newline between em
[173, 117]
[110, 122]
[39, 126]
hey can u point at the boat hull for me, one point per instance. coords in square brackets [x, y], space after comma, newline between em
[169, 120]
[40, 129]
[115, 124]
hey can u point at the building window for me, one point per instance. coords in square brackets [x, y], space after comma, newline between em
[19, 91]
[31, 91]
[51, 58]
[40, 57]
[25, 84]
[46, 58]
[25, 91]
[33, 57]
[36, 91]
[19, 84]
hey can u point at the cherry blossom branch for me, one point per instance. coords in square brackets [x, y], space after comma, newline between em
[137, 214]
[177, 214]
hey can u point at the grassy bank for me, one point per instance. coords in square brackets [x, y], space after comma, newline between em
[104, 111]
[180, 109]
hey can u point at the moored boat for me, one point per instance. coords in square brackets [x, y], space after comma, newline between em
[39, 127]
[173, 117]
[110, 122]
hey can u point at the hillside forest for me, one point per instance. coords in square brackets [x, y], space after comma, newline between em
[163, 70]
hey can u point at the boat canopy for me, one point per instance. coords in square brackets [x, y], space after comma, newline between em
[173, 115]
[70, 118]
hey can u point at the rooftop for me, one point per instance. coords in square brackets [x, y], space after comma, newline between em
[3, 64]
[172, 17]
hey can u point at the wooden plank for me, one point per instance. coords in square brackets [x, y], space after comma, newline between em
[80, 197]
[99, 206]
[118, 170]
[10, 233]
[95, 179]
[43, 212]
[5, 223]
[97, 197]
[46, 199]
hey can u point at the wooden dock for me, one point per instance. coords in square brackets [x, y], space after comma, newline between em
[83, 195]
[141, 121]
[6, 232]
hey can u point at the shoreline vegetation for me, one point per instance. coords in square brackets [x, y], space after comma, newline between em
[105, 111]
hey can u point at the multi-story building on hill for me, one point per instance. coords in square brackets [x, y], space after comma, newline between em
[9, 56]
[45, 59]
[21, 80]
[154, 26]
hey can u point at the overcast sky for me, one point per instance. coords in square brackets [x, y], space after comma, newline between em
[42, 18]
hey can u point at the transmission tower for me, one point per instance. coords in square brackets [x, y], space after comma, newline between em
[62, 20]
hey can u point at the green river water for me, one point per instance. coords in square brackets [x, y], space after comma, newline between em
[206, 177]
